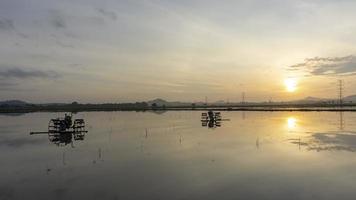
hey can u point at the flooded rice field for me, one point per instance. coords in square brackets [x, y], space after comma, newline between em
[174, 155]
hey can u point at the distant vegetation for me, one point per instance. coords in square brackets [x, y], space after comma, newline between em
[73, 107]
[309, 104]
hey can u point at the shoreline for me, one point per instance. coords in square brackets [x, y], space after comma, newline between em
[227, 109]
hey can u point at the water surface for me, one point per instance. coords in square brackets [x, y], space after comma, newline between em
[146, 155]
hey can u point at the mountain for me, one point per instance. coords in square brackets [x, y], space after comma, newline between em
[13, 103]
[220, 102]
[161, 102]
[348, 99]
[351, 98]
[309, 100]
[313, 99]
[158, 102]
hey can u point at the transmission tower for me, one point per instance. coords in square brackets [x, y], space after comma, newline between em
[340, 91]
[243, 98]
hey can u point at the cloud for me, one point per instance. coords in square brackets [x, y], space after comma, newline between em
[60, 193]
[110, 14]
[342, 66]
[57, 20]
[6, 24]
[26, 74]
[77, 66]
[7, 86]
[65, 45]
[7, 192]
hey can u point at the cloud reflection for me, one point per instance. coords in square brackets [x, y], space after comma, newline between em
[19, 142]
[330, 141]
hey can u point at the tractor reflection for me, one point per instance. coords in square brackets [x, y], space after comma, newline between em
[63, 131]
[211, 119]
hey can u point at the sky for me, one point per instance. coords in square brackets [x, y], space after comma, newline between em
[136, 50]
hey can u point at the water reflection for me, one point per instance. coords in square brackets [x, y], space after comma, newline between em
[127, 151]
[339, 140]
[211, 119]
[66, 138]
[99, 157]
[211, 124]
[64, 131]
[291, 123]
[341, 121]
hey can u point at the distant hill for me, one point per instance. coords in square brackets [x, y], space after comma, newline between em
[13, 103]
[314, 99]
[158, 102]
[348, 99]
[161, 102]
[351, 98]
[310, 99]
[220, 102]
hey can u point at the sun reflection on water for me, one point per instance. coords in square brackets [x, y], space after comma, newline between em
[291, 122]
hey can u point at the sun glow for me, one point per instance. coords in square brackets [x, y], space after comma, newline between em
[291, 122]
[291, 84]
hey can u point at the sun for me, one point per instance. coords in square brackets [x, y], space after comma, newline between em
[291, 84]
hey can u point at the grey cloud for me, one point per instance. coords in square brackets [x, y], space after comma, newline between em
[7, 86]
[60, 193]
[61, 21]
[58, 23]
[65, 45]
[23, 35]
[57, 20]
[60, 42]
[6, 24]
[110, 14]
[12, 114]
[7, 192]
[25, 74]
[330, 59]
[342, 66]
[77, 66]
[14, 88]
